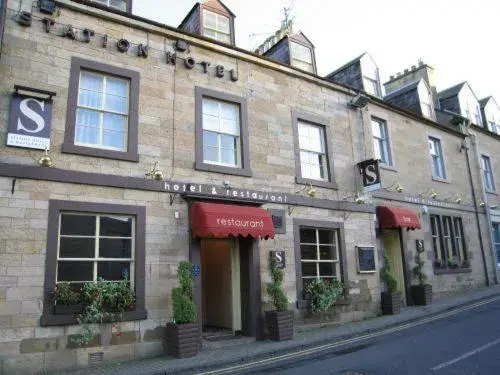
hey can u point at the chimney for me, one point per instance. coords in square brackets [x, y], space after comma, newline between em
[421, 71]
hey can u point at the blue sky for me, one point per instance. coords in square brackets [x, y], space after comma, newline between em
[460, 38]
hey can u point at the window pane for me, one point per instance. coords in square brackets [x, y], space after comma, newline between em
[113, 139]
[113, 270]
[376, 129]
[115, 248]
[307, 235]
[116, 226]
[209, 19]
[87, 135]
[209, 33]
[75, 271]
[309, 269]
[116, 86]
[496, 232]
[210, 154]
[228, 142]
[210, 107]
[88, 117]
[223, 23]
[229, 126]
[211, 123]
[81, 225]
[327, 269]
[301, 52]
[91, 81]
[327, 252]
[223, 38]
[89, 99]
[116, 104]
[316, 172]
[497, 248]
[115, 122]
[228, 157]
[326, 237]
[306, 170]
[76, 247]
[119, 4]
[308, 252]
[209, 139]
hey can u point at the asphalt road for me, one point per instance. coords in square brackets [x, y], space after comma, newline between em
[465, 343]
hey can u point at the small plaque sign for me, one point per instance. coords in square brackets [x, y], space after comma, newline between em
[195, 271]
[279, 256]
[366, 259]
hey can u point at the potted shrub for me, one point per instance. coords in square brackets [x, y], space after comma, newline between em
[280, 321]
[182, 334]
[391, 298]
[421, 293]
[103, 302]
[67, 300]
[323, 293]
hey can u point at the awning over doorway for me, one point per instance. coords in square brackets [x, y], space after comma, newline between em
[223, 220]
[397, 217]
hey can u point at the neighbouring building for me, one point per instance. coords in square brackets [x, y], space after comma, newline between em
[129, 146]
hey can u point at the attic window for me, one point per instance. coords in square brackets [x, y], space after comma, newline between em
[216, 26]
[301, 57]
[425, 101]
[117, 4]
[370, 85]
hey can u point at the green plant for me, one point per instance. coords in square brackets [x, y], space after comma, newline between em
[64, 294]
[104, 301]
[184, 310]
[418, 272]
[274, 288]
[386, 275]
[324, 293]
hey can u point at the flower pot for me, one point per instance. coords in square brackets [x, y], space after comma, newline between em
[391, 303]
[421, 294]
[279, 325]
[68, 309]
[182, 340]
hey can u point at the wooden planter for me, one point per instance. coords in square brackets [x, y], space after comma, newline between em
[279, 325]
[391, 303]
[182, 340]
[68, 309]
[421, 294]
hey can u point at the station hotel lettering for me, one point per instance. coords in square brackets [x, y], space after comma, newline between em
[183, 146]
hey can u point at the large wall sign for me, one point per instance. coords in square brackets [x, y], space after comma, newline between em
[370, 172]
[30, 122]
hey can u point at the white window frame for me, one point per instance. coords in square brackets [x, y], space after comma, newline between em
[318, 260]
[108, 4]
[218, 32]
[373, 85]
[294, 58]
[488, 179]
[219, 133]
[383, 142]
[96, 259]
[437, 153]
[301, 123]
[102, 111]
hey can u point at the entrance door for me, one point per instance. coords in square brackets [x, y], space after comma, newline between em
[392, 245]
[220, 284]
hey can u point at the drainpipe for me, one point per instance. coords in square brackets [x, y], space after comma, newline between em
[487, 208]
[476, 212]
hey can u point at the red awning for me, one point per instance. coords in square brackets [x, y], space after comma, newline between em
[397, 217]
[224, 220]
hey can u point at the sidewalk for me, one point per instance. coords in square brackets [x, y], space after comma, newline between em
[305, 336]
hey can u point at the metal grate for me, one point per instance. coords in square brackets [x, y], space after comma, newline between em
[96, 358]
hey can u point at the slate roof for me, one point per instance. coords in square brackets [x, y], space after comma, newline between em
[409, 87]
[451, 91]
[197, 5]
[347, 64]
[484, 101]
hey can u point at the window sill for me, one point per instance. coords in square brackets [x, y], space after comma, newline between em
[445, 271]
[70, 148]
[388, 167]
[71, 319]
[245, 172]
[317, 183]
[492, 192]
[443, 180]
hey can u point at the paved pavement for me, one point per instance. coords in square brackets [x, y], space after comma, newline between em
[305, 337]
[465, 343]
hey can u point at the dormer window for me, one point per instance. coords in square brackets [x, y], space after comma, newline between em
[371, 86]
[116, 4]
[216, 26]
[301, 57]
[425, 100]
[477, 114]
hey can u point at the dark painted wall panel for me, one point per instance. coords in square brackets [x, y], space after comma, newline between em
[408, 100]
[280, 52]
[192, 25]
[450, 104]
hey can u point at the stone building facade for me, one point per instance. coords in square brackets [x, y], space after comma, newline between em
[166, 85]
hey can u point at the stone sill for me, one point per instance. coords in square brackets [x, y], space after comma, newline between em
[305, 303]
[71, 319]
[444, 271]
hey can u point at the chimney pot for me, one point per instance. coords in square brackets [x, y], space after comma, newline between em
[391, 78]
[420, 63]
[398, 74]
[406, 71]
[413, 67]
